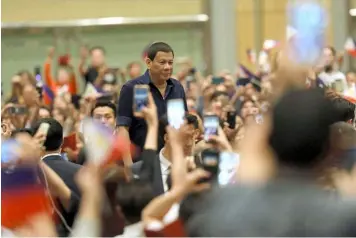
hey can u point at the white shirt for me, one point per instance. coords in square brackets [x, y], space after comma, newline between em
[351, 91]
[53, 154]
[165, 169]
[329, 78]
[134, 230]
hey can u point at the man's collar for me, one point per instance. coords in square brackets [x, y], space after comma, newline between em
[147, 78]
[50, 155]
[165, 163]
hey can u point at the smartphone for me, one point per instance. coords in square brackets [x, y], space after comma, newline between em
[228, 163]
[22, 196]
[217, 80]
[211, 125]
[37, 72]
[210, 162]
[140, 97]
[9, 151]
[43, 129]
[18, 110]
[243, 81]
[338, 86]
[231, 119]
[175, 113]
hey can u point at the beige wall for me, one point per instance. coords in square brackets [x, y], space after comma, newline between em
[353, 3]
[43, 10]
[273, 24]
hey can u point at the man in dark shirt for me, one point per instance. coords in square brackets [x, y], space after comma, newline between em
[159, 63]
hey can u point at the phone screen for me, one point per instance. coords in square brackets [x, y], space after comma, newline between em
[141, 98]
[9, 151]
[231, 119]
[175, 113]
[217, 80]
[210, 161]
[18, 110]
[339, 87]
[211, 125]
[38, 73]
[227, 167]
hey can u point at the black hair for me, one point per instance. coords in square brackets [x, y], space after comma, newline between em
[54, 137]
[300, 123]
[104, 103]
[163, 123]
[133, 197]
[102, 49]
[22, 130]
[217, 94]
[345, 109]
[158, 47]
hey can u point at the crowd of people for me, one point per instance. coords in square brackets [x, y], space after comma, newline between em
[280, 160]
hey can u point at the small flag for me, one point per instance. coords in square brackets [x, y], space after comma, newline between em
[251, 55]
[350, 46]
[102, 146]
[48, 95]
[245, 73]
[70, 142]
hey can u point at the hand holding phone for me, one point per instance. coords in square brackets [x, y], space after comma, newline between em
[210, 163]
[175, 113]
[231, 119]
[217, 80]
[140, 97]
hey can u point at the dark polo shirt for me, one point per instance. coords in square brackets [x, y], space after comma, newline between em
[138, 127]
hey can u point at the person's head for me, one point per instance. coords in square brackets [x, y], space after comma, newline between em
[134, 70]
[248, 107]
[132, 197]
[159, 61]
[63, 76]
[329, 56]
[191, 104]
[97, 56]
[44, 112]
[54, 137]
[351, 77]
[300, 128]
[345, 110]
[26, 77]
[189, 130]
[105, 112]
[218, 101]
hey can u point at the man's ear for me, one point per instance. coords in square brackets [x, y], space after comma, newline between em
[165, 137]
[148, 63]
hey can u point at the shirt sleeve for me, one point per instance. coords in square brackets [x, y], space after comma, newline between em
[125, 114]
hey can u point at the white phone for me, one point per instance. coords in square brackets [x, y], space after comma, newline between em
[43, 129]
[175, 113]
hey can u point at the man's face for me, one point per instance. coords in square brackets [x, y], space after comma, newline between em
[189, 138]
[43, 113]
[351, 77]
[105, 115]
[97, 58]
[218, 103]
[328, 57]
[161, 67]
[135, 71]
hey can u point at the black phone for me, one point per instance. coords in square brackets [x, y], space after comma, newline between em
[211, 125]
[140, 97]
[210, 162]
[18, 110]
[231, 119]
[217, 80]
[243, 81]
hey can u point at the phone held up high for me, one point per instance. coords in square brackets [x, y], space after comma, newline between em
[210, 163]
[175, 113]
[140, 97]
[231, 119]
[211, 125]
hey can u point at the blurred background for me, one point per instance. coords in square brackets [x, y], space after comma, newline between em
[215, 34]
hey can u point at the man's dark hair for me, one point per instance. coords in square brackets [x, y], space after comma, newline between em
[104, 103]
[345, 109]
[102, 49]
[158, 47]
[54, 137]
[163, 123]
[22, 130]
[300, 123]
[217, 94]
[133, 197]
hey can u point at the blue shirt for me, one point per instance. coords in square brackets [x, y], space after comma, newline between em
[138, 127]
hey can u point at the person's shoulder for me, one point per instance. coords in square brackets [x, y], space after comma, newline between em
[139, 80]
[175, 82]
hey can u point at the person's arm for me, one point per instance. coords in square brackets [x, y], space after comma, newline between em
[125, 115]
[83, 57]
[48, 70]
